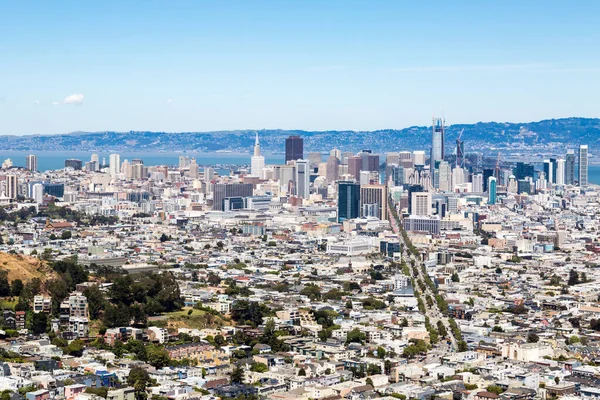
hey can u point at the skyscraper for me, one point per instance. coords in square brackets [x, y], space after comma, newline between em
[348, 200]
[225, 190]
[11, 186]
[421, 204]
[549, 171]
[73, 163]
[492, 190]
[294, 148]
[31, 163]
[114, 167]
[302, 179]
[583, 165]
[184, 162]
[257, 162]
[570, 167]
[193, 169]
[373, 201]
[333, 168]
[354, 166]
[560, 172]
[437, 140]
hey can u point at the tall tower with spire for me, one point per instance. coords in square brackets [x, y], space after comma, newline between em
[257, 162]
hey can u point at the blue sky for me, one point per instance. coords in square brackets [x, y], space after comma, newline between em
[204, 65]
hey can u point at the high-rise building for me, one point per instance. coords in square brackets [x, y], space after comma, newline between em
[257, 162]
[437, 140]
[392, 158]
[445, 176]
[477, 180]
[31, 163]
[73, 163]
[11, 186]
[348, 200]
[333, 168]
[570, 167]
[114, 167]
[302, 179]
[226, 190]
[373, 201]
[354, 166]
[193, 173]
[492, 190]
[37, 193]
[524, 170]
[315, 158]
[583, 165]
[560, 171]
[421, 204]
[419, 157]
[549, 171]
[294, 148]
[184, 162]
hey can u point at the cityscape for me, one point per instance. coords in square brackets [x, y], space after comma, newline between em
[295, 200]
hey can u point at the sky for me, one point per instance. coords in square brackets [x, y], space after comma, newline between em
[181, 66]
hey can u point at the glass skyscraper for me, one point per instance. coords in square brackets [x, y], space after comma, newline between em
[348, 200]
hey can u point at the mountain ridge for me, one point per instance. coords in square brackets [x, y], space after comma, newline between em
[486, 137]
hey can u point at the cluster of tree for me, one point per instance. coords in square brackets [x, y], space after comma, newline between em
[136, 298]
[416, 347]
[371, 303]
[250, 312]
[312, 291]
[575, 278]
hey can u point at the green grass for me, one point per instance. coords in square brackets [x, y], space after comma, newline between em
[8, 303]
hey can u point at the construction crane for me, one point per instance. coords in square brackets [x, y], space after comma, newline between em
[460, 150]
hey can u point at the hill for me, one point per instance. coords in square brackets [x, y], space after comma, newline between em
[486, 137]
[25, 268]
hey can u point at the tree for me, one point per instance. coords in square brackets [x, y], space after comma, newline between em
[462, 346]
[494, 389]
[164, 238]
[312, 291]
[532, 338]
[381, 352]
[355, 336]
[139, 379]
[75, 348]
[95, 299]
[455, 277]
[573, 277]
[220, 340]
[65, 235]
[369, 382]
[259, 367]
[302, 372]
[574, 339]
[498, 270]
[157, 356]
[237, 375]
[16, 287]
[40, 323]
[497, 328]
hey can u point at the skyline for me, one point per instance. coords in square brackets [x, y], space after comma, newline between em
[209, 66]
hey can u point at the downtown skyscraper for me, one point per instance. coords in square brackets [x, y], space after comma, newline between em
[437, 140]
[583, 165]
[294, 148]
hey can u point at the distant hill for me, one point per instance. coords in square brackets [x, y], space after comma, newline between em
[486, 137]
[25, 268]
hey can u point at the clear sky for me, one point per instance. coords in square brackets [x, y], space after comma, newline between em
[323, 64]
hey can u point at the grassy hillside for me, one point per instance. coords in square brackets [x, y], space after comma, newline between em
[25, 268]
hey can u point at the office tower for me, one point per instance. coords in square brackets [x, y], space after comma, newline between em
[549, 171]
[126, 170]
[302, 179]
[445, 176]
[560, 171]
[257, 162]
[114, 167]
[184, 162]
[487, 172]
[364, 177]
[333, 167]
[421, 204]
[73, 163]
[583, 165]
[492, 190]
[294, 148]
[193, 169]
[354, 166]
[37, 193]
[95, 158]
[348, 200]
[31, 163]
[209, 174]
[11, 186]
[370, 162]
[54, 189]
[437, 140]
[395, 174]
[373, 201]
[225, 190]
[570, 167]
[315, 159]
[477, 180]
[512, 186]
[460, 151]
[419, 157]
[554, 167]
[524, 170]
[523, 186]
[345, 156]
[337, 153]
[392, 158]
[458, 177]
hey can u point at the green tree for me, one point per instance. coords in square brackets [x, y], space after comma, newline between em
[355, 336]
[259, 367]
[237, 375]
[95, 299]
[532, 338]
[573, 278]
[157, 356]
[139, 379]
[40, 323]
[312, 291]
[16, 287]
[75, 348]
[381, 352]
[65, 235]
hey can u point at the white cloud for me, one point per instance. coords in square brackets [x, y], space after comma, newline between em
[75, 99]
[169, 101]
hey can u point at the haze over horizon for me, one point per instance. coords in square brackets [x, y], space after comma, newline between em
[210, 66]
